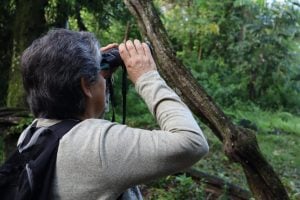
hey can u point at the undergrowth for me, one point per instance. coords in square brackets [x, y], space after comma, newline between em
[278, 136]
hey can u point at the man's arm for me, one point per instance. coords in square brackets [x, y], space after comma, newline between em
[133, 156]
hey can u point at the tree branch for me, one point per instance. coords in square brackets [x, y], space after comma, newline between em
[80, 23]
[127, 31]
[217, 185]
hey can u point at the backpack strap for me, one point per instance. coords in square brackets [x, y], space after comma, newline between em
[61, 128]
[58, 130]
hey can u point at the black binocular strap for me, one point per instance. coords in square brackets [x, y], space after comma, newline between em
[124, 92]
[112, 95]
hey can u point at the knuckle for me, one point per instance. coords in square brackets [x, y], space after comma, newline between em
[130, 47]
[128, 42]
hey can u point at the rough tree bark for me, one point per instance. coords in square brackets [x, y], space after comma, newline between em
[240, 144]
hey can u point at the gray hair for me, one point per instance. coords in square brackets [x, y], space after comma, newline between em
[52, 67]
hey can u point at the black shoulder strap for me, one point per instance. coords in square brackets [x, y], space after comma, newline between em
[109, 84]
[124, 92]
[61, 128]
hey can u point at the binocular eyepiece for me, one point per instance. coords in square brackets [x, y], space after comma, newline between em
[112, 59]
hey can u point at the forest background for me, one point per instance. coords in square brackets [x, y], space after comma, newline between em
[245, 53]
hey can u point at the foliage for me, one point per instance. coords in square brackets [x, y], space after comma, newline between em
[101, 13]
[239, 50]
[175, 187]
[23, 123]
[277, 123]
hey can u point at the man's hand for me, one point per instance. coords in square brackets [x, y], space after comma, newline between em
[137, 58]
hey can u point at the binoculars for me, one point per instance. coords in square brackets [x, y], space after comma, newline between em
[112, 59]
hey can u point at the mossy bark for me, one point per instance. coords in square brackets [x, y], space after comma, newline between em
[240, 145]
[29, 23]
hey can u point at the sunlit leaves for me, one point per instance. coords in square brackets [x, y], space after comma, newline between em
[239, 50]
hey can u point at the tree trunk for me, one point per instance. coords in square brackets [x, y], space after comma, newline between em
[240, 144]
[62, 14]
[6, 48]
[80, 23]
[29, 24]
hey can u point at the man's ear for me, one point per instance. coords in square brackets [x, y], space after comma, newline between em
[85, 88]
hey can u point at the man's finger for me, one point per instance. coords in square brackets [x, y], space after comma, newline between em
[139, 48]
[123, 52]
[110, 46]
[146, 50]
[130, 48]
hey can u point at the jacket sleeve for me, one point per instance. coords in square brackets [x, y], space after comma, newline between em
[132, 156]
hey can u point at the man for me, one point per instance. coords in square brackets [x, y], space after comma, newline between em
[98, 159]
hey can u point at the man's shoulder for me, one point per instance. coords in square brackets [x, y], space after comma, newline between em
[90, 134]
[84, 138]
[90, 125]
[94, 122]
